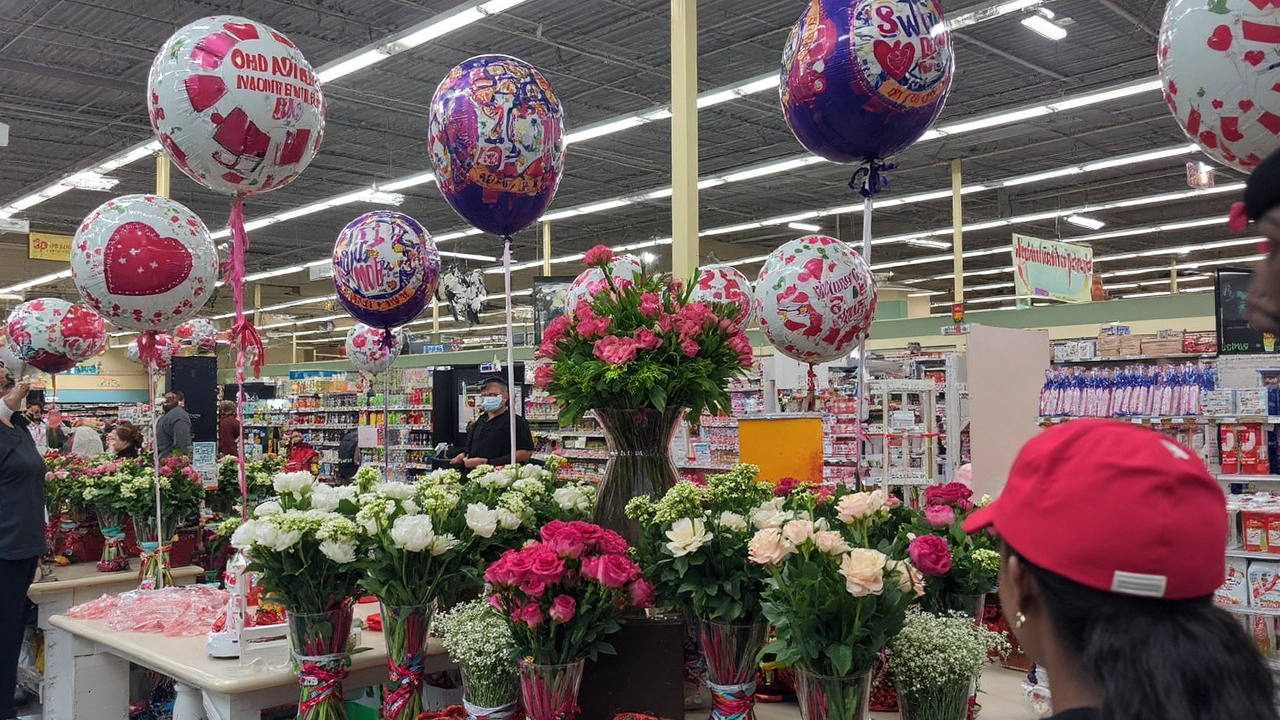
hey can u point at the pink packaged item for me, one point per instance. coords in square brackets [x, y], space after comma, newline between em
[174, 612]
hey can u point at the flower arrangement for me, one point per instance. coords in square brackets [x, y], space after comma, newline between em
[958, 567]
[480, 641]
[258, 477]
[936, 659]
[61, 482]
[508, 505]
[641, 344]
[366, 477]
[693, 545]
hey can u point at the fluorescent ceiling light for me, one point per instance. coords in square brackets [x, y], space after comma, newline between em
[90, 180]
[352, 64]
[1045, 27]
[1087, 223]
[382, 197]
[805, 227]
[25, 284]
[984, 14]
[923, 243]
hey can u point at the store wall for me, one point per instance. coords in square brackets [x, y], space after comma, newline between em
[1006, 370]
[108, 377]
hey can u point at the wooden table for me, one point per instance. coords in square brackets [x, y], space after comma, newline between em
[206, 687]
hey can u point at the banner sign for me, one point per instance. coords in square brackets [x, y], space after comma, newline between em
[1051, 270]
[48, 246]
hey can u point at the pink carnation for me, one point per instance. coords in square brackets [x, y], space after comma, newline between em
[646, 339]
[690, 347]
[740, 343]
[556, 329]
[597, 256]
[615, 350]
[650, 304]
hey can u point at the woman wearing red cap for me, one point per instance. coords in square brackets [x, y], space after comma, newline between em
[1114, 539]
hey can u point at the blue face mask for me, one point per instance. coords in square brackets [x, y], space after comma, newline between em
[490, 403]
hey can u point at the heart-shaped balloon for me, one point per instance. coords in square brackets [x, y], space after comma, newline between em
[138, 262]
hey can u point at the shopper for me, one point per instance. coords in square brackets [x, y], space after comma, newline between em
[1261, 205]
[228, 429]
[125, 441]
[173, 431]
[21, 530]
[1113, 544]
[37, 427]
[348, 456]
[489, 437]
[301, 456]
[85, 441]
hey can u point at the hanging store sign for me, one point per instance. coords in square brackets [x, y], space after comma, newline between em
[48, 246]
[1051, 270]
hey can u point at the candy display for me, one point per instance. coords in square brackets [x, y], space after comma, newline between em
[1134, 390]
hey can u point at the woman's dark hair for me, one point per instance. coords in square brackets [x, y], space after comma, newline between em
[1154, 658]
[128, 433]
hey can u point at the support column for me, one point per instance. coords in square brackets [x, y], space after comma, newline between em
[546, 248]
[162, 174]
[257, 303]
[957, 234]
[684, 138]
[294, 359]
[1173, 276]
[435, 318]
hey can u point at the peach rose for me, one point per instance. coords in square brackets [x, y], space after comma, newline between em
[797, 531]
[863, 571]
[909, 578]
[860, 506]
[831, 542]
[769, 547]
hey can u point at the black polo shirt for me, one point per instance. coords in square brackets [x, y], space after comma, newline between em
[491, 439]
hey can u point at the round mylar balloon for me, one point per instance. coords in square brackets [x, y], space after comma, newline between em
[497, 142]
[726, 284]
[53, 335]
[200, 332]
[816, 297]
[591, 281]
[235, 105]
[144, 262]
[166, 347]
[368, 350]
[864, 79]
[385, 268]
[1218, 66]
[15, 366]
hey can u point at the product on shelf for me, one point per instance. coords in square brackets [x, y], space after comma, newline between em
[1235, 589]
[1264, 584]
[1132, 391]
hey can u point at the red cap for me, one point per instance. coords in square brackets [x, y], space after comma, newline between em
[1115, 507]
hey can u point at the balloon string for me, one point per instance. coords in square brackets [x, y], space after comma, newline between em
[869, 178]
[868, 205]
[155, 460]
[511, 367]
[243, 335]
[813, 389]
[148, 349]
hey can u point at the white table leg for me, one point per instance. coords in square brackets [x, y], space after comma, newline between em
[81, 681]
[246, 706]
[188, 704]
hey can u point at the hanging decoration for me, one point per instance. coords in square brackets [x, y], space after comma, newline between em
[53, 335]
[591, 281]
[1217, 61]
[367, 350]
[465, 293]
[385, 267]
[497, 142]
[727, 285]
[200, 333]
[165, 346]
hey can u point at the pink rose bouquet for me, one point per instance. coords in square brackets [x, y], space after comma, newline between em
[959, 567]
[564, 594]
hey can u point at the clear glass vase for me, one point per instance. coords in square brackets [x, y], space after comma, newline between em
[405, 629]
[114, 555]
[731, 652]
[550, 692]
[946, 703]
[639, 463]
[489, 697]
[823, 697]
[971, 605]
[155, 542]
[318, 644]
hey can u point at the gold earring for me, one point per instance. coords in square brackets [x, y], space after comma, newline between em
[1019, 620]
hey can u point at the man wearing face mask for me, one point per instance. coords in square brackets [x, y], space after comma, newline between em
[173, 431]
[489, 439]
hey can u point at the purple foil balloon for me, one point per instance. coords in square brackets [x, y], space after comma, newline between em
[862, 80]
[497, 142]
[385, 268]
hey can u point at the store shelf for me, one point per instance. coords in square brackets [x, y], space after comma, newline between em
[1135, 358]
[1173, 419]
[1243, 610]
[1248, 555]
[1249, 478]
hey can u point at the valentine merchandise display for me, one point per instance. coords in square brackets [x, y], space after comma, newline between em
[1218, 70]
[496, 142]
[144, 262]
[199, 333]
[53, 335]
[163, 347]
[862, 80]
[369, 351]
[816, 298]
[727, 284]
[936, 661]
[385, 268]
[481, 643]
[235, 105]
[1134, 390]
[622, 269]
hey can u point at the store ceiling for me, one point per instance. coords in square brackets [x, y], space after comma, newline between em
[73, 73]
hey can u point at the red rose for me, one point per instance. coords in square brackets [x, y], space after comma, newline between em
[591, 567]
[519, 565]
[616, 571]
[950, 494]
[611, 542]
[531, 614]
[499, 572]
[931, 555]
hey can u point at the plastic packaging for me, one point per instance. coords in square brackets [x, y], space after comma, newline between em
[174, 612]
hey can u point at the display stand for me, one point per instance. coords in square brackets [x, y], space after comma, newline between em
[1006, 372]
[646, 675]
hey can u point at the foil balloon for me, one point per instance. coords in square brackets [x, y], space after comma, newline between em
[816, 298]
[12, 364]
[863, 80]
[367, 350]
[166, 346]
[385, 268]
[144, 262]
[53, 335]
[591, 280]
[1218, 66]
[235, 105]
[725, 284]
[497, 142]
[200, 333]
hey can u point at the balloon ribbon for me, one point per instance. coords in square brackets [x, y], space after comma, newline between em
[869, 178]
[148, 349]
[243, 335]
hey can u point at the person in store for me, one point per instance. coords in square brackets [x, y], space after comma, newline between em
[38, 428]
[85, 440]
[1113, 538]
[125, 441]
[489, 437]
[348, 456]
[21, 530]
[1261, 206]
[228, 429]
[173, 431]
[301, 455]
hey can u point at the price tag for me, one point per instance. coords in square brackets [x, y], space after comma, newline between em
[1177, 420]
[1136, 421]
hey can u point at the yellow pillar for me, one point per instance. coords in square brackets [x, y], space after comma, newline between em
[684, 138]
[257, 303]
[294, 359]
[162, 174]
[1173, 276]
[435, 318]
[957, 233]
[546, 248]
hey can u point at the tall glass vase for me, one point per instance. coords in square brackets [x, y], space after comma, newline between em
[405, 629]
[155, 542]
[318, 645]
[550, 692]
[489, 695]
[114, 555]
[832, 698]
[731, 652]
[639, 463]
[948, 702]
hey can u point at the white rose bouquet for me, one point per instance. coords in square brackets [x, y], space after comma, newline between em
[508, 506]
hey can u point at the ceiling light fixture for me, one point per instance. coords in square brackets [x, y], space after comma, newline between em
[923, 243]
[382, 197]
[1087, 223]
[90, 180]
[804, 227]
[1045, 27]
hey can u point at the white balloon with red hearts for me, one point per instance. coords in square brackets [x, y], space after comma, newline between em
[591, 281]
[53, 335]
[144, 262]
[200, 333]
[166, 347]
[1220, 72]
[369, 351]
[235, 105]
[727, 285]
[816, 298]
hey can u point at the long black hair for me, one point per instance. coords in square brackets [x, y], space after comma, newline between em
[1154, 659]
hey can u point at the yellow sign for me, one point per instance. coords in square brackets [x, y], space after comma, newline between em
[47, 246]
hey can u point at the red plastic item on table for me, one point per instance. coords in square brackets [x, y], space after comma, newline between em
[453, 712]
[174, 612]
[373, 621]
[367, 599]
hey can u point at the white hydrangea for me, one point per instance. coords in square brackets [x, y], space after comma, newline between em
[482, 520]
[529, 487]
[412, 533]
